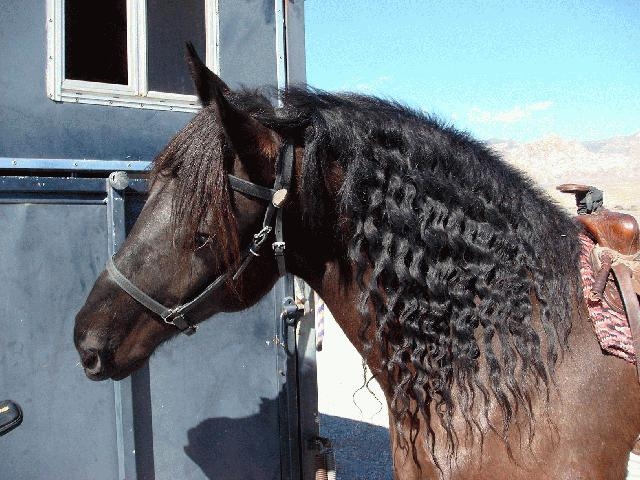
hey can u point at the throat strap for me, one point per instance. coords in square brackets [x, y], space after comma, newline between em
[251, 189]
[283, 186]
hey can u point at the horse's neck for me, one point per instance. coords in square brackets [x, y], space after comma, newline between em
[341, 295]
[342, 298]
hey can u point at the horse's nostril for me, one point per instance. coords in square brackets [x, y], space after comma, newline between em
[91, 360]
[94, 357]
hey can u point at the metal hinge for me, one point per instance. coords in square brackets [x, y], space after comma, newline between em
[291, 311]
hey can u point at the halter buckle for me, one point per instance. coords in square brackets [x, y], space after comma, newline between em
[170, 319]
[278, 248]
[279, 197]
[180, 323]
[260, 237]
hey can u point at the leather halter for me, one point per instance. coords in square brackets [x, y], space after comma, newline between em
[272, 221]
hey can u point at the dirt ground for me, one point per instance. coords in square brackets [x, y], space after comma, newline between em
[354, 418]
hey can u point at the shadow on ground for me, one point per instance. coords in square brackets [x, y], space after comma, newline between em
[362, 450]
[236, 448]
[230, 449]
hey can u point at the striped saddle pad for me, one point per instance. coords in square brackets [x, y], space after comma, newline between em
[611, 326]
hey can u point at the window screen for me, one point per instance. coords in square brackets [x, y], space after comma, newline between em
[96, 41]
[170, 24]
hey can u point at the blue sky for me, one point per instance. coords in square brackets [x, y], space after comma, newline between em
[516, 70]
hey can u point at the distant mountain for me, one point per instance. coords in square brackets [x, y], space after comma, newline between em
[625, 146]
[613, 165]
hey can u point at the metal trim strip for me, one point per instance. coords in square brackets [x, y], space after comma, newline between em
[57, 185]
[62, 187]
[49, 201]
[122, 390]
[73, 164]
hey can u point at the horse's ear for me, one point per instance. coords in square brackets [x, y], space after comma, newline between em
[208, 84]
[248, 137]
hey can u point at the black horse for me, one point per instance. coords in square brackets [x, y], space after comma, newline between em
[453, 275]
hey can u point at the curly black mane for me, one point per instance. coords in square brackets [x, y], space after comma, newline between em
[457, 253]
[468, 272]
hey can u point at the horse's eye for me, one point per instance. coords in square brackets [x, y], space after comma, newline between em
[202, 240]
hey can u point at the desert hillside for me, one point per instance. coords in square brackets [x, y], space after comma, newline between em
[613, 165]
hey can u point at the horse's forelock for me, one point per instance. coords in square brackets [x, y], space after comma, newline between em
[195, 161]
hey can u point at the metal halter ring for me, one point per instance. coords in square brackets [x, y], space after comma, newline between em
[260, 237]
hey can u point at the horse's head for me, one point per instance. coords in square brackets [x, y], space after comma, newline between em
[193, 230]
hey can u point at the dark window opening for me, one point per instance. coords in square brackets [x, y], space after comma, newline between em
[169, 26]
[96, 41]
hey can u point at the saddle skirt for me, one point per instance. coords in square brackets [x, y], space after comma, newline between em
[610, 322]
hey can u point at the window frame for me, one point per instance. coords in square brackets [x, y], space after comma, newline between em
[136, 93]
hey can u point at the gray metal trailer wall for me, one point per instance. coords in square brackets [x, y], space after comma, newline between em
[215, 405]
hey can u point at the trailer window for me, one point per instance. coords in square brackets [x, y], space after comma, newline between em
[128, 52]
[95, 41]
[168, 25]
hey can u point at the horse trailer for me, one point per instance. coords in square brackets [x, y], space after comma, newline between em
[89, 95]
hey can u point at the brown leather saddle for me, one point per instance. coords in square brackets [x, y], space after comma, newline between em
[616, 257]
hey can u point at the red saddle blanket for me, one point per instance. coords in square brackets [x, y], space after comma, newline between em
[612, 328]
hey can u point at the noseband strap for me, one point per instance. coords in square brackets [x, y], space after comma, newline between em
[272, 221]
